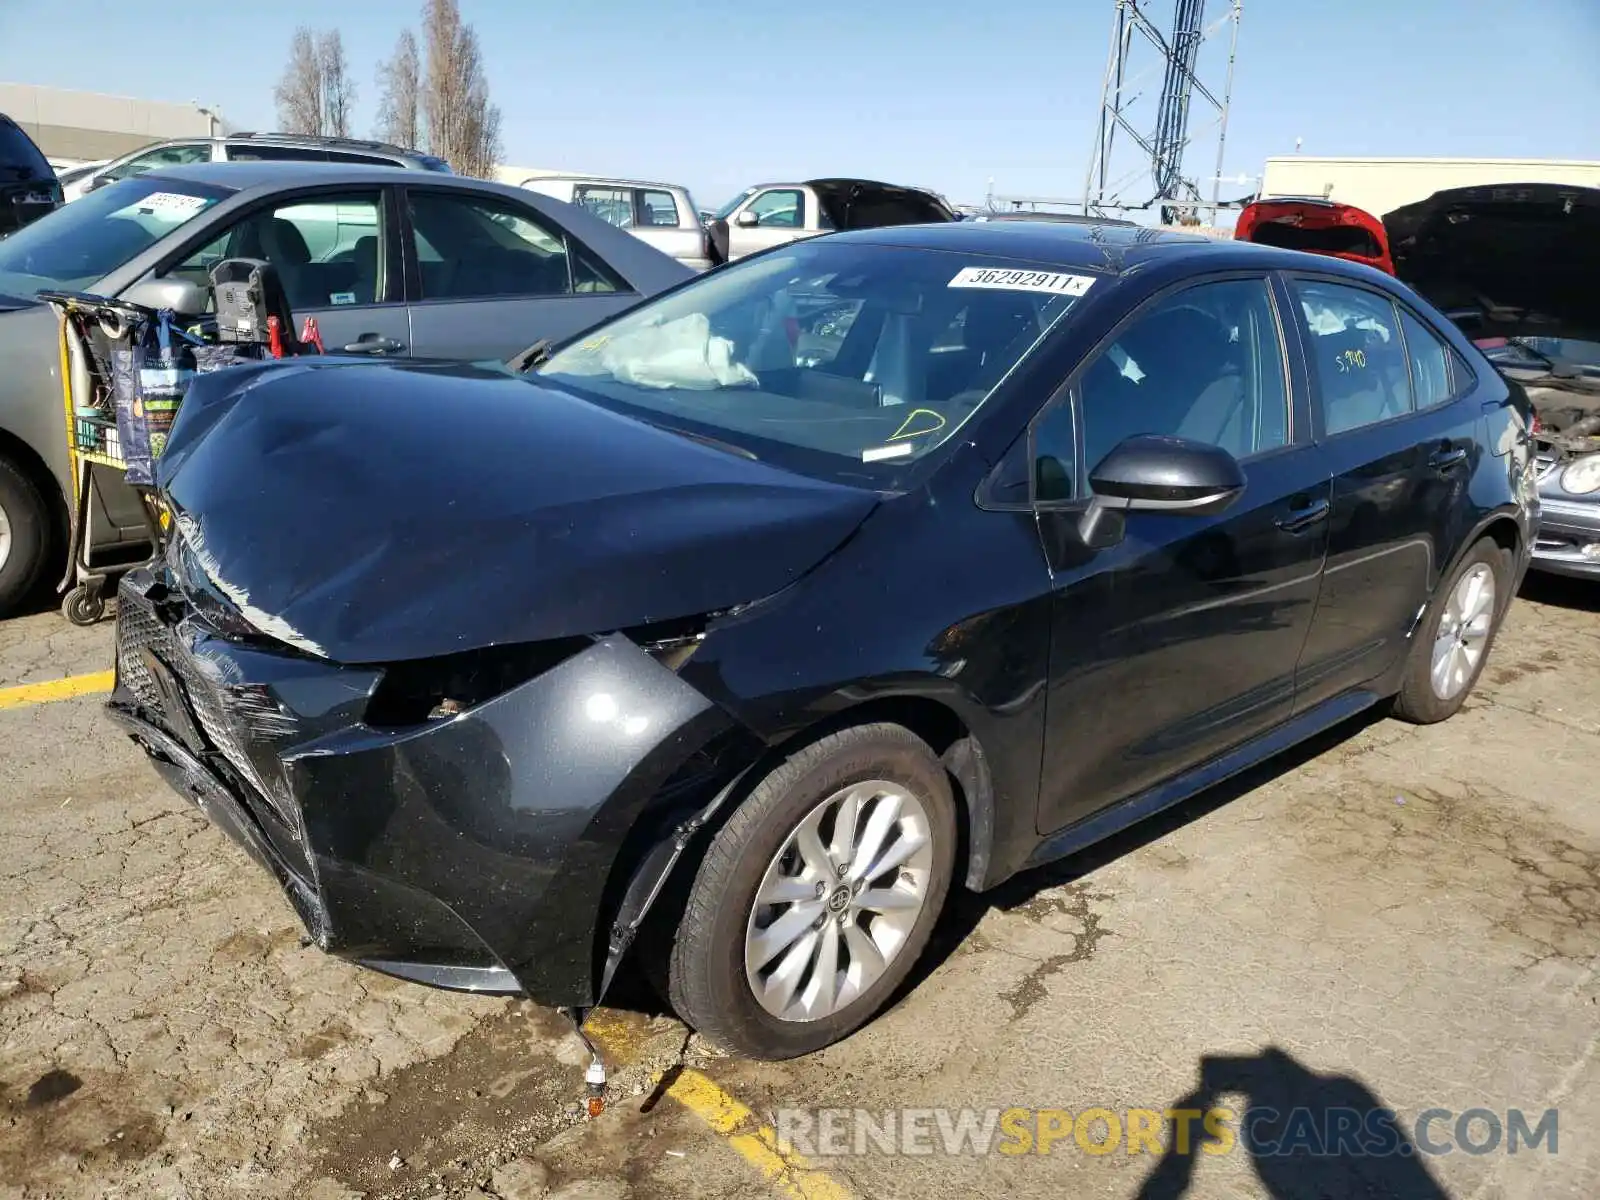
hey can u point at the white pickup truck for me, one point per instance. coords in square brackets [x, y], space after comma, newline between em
[771, 214]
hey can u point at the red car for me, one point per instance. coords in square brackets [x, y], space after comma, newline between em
[1319, 226]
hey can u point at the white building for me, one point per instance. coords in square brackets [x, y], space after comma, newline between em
[1381, 185]
[85, 126]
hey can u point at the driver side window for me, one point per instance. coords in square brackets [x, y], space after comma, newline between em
[779, 209]
[1205, 363]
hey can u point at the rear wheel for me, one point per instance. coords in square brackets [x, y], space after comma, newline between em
[1453, 643]
[24, 536]
[816, 898]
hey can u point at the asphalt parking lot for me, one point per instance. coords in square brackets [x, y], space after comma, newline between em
[1393, 919]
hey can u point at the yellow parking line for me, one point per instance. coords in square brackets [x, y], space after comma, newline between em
[50, 690]
[789, 1174]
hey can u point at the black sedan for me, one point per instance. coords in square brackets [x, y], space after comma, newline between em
[762, 615]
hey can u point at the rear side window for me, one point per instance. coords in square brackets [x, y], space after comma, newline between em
[1357, 355]
[657, 208]
[277, 154]
[17, 150]
[1429, 359]
[471, 247]
[371, 160]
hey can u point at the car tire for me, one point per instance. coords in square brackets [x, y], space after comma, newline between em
[24, 536]
[1455, 637]
[729, 940]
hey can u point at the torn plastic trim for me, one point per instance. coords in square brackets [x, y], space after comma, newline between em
[650, 878]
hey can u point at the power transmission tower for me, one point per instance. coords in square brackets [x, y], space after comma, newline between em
[1150, 171]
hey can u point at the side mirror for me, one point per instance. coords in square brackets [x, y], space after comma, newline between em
[96, 182]
[182, 296]
[1151, 473]
[747, 220]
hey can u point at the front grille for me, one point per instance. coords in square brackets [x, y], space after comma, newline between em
[137, 628]
[202, 674]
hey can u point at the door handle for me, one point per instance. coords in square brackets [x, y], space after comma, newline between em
[371, 343]
[1304, 517]
[1444, 461]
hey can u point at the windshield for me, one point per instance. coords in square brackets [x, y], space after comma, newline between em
[86, 240]
[841, 360]
[726, 211]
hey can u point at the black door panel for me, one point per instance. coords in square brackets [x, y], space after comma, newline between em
[1201, 621]
[1181, 641]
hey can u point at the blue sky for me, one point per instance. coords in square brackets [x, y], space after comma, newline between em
[718, 94]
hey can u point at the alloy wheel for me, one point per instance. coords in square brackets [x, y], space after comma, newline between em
[1464, 630]
[5, 537]
[838, 901]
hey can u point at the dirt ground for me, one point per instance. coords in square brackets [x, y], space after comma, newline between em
[1394, 918]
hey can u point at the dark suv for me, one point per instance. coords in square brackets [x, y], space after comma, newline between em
[28, 186]
[254, 147]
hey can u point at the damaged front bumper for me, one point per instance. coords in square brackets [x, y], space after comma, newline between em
[486, 850]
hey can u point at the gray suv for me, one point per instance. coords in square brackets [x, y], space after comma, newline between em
[252, 147]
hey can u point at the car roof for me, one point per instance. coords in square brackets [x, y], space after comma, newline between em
[275, 174]
[608, 180]
[1113, 248]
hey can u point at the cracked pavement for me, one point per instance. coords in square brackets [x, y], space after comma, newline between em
[1395, 917]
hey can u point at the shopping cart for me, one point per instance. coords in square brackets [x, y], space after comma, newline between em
[119, 404]
[91, 330]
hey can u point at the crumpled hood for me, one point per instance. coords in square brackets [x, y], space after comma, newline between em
[375, 513]
[1527, 255]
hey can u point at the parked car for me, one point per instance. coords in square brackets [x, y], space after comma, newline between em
[389, 262]
[28, 185]
[1022, 214]
[1317, 226]
[662, 214]
[1515, 265]
[69, 175]
[252, 147]
[772, 214]
[695, 647]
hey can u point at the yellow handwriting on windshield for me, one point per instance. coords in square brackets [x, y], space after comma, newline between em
[917, 423]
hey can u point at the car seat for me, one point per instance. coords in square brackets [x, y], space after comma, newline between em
[279, 242]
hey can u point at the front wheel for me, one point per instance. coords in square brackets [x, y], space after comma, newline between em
[1454, 639]
[24, 537]
[815, 900]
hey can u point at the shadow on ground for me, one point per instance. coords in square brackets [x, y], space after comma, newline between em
[1309, 1136]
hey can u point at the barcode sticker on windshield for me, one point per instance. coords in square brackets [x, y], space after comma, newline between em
[170, 204]
[1055, 282]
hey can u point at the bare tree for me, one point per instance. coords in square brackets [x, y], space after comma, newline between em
[400, 94]
[299, 92]
[463, 127]
[338, 88]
